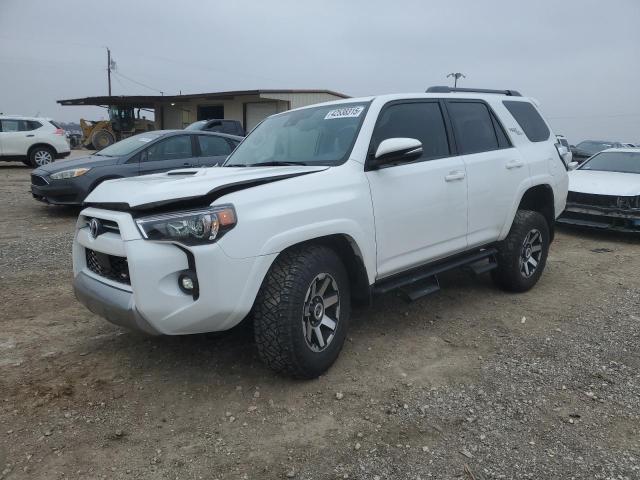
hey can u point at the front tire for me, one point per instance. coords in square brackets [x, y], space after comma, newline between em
[301, 314]
[522, 256]
[41, 156]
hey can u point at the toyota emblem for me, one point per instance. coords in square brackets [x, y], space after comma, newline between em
[95, 228]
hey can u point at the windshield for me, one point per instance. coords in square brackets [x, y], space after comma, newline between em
[312, 136]
[128, 145]
[624, 162]
[196, 125]
[592, 147]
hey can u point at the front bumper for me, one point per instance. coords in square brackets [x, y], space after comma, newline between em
[59, 192]
[622, 220]
[153, 301]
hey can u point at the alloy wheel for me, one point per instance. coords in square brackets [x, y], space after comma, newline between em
[43, 157]
[531, 253]
[321, 312]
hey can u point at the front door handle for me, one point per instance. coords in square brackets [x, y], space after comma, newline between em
[454, 175]
[511, 164]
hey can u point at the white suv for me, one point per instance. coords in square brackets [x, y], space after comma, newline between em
[321, 207]
[32, 140]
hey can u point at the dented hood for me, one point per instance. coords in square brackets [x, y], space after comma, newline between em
[180, 186]
[605, 183]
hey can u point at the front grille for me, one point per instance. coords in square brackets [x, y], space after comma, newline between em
[108, 266]
[610, 201]
[38, 180]
[107, 225]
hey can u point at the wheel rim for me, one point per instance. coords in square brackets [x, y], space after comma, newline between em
[42, 157]
[321, 312]
[531, 253]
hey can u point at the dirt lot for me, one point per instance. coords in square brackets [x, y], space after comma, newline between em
[469, 383]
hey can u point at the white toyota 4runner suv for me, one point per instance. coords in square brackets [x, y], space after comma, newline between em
[322, 207]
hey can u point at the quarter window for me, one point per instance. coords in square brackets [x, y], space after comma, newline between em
[172, 148]
[529, 120]
[473, 127]
[420, 120]
[212, 146]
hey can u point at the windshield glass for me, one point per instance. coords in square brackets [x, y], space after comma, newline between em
[624, 162]
[128, 145]
[196, 125]
[312, 136]
[592, 147]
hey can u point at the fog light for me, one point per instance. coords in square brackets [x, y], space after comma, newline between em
[188, 283]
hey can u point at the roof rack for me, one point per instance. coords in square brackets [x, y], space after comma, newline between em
[444, 89]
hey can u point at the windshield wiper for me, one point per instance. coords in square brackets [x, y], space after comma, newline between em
[277, 164]
[235, 165]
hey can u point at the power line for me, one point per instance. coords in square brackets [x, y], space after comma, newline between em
[137, 82]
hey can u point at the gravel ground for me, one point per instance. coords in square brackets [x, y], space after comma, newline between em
[468, 383]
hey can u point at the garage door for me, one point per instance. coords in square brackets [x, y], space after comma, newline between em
[256, 112]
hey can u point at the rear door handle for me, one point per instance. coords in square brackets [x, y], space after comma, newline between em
[454, 175]
[31, 135]
[511, 164]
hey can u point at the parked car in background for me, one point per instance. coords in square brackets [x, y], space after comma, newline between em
[232, 127]
[69, 182]
[604, 192]
[586, 149]
[629, 145]
[34, 141]
[562, 140]
[323, 206]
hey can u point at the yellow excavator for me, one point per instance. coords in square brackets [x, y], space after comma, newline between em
[122, 123]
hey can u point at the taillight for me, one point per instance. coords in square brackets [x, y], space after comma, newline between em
[59, 131]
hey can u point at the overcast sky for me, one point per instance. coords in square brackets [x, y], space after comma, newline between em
[579, 58]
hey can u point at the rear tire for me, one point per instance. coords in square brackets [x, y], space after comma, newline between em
[41, 155]
[102, 139]
[301, 314]
[522, 256]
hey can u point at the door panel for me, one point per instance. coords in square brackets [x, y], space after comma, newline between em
[420, 212]
[494, 179]
[13, 140]
[420, 208]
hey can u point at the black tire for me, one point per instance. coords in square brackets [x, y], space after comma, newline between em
[102, 139]
[515, 273]
[41, 155]
[280, 324]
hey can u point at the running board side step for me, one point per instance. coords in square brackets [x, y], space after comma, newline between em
[422, 281]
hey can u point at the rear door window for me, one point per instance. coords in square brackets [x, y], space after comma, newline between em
[172, 148]
[529, 120]
[212, 146]
[473, 127]
[420, 120]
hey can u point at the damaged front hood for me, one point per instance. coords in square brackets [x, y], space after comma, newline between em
[604, 183]
[180, 186]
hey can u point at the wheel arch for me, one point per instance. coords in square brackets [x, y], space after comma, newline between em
[351, 256]
[540, 198]
[41, 144]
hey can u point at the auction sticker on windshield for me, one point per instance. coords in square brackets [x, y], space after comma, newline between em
[346, 112]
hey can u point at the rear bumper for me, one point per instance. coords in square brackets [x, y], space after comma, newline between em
[622, 220]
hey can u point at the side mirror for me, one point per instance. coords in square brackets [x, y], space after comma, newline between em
[394, 150]
[573, 166]
[565, 154]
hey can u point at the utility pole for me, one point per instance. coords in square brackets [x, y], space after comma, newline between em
[456, 76]
[109, 69]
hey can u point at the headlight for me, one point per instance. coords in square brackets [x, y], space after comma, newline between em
[193, 227]
[76, 172]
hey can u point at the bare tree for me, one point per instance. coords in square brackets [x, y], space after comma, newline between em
[456, 76]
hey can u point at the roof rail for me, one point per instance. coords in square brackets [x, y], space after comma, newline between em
[444, 89]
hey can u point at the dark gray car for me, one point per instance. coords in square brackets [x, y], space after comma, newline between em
[68, 182]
